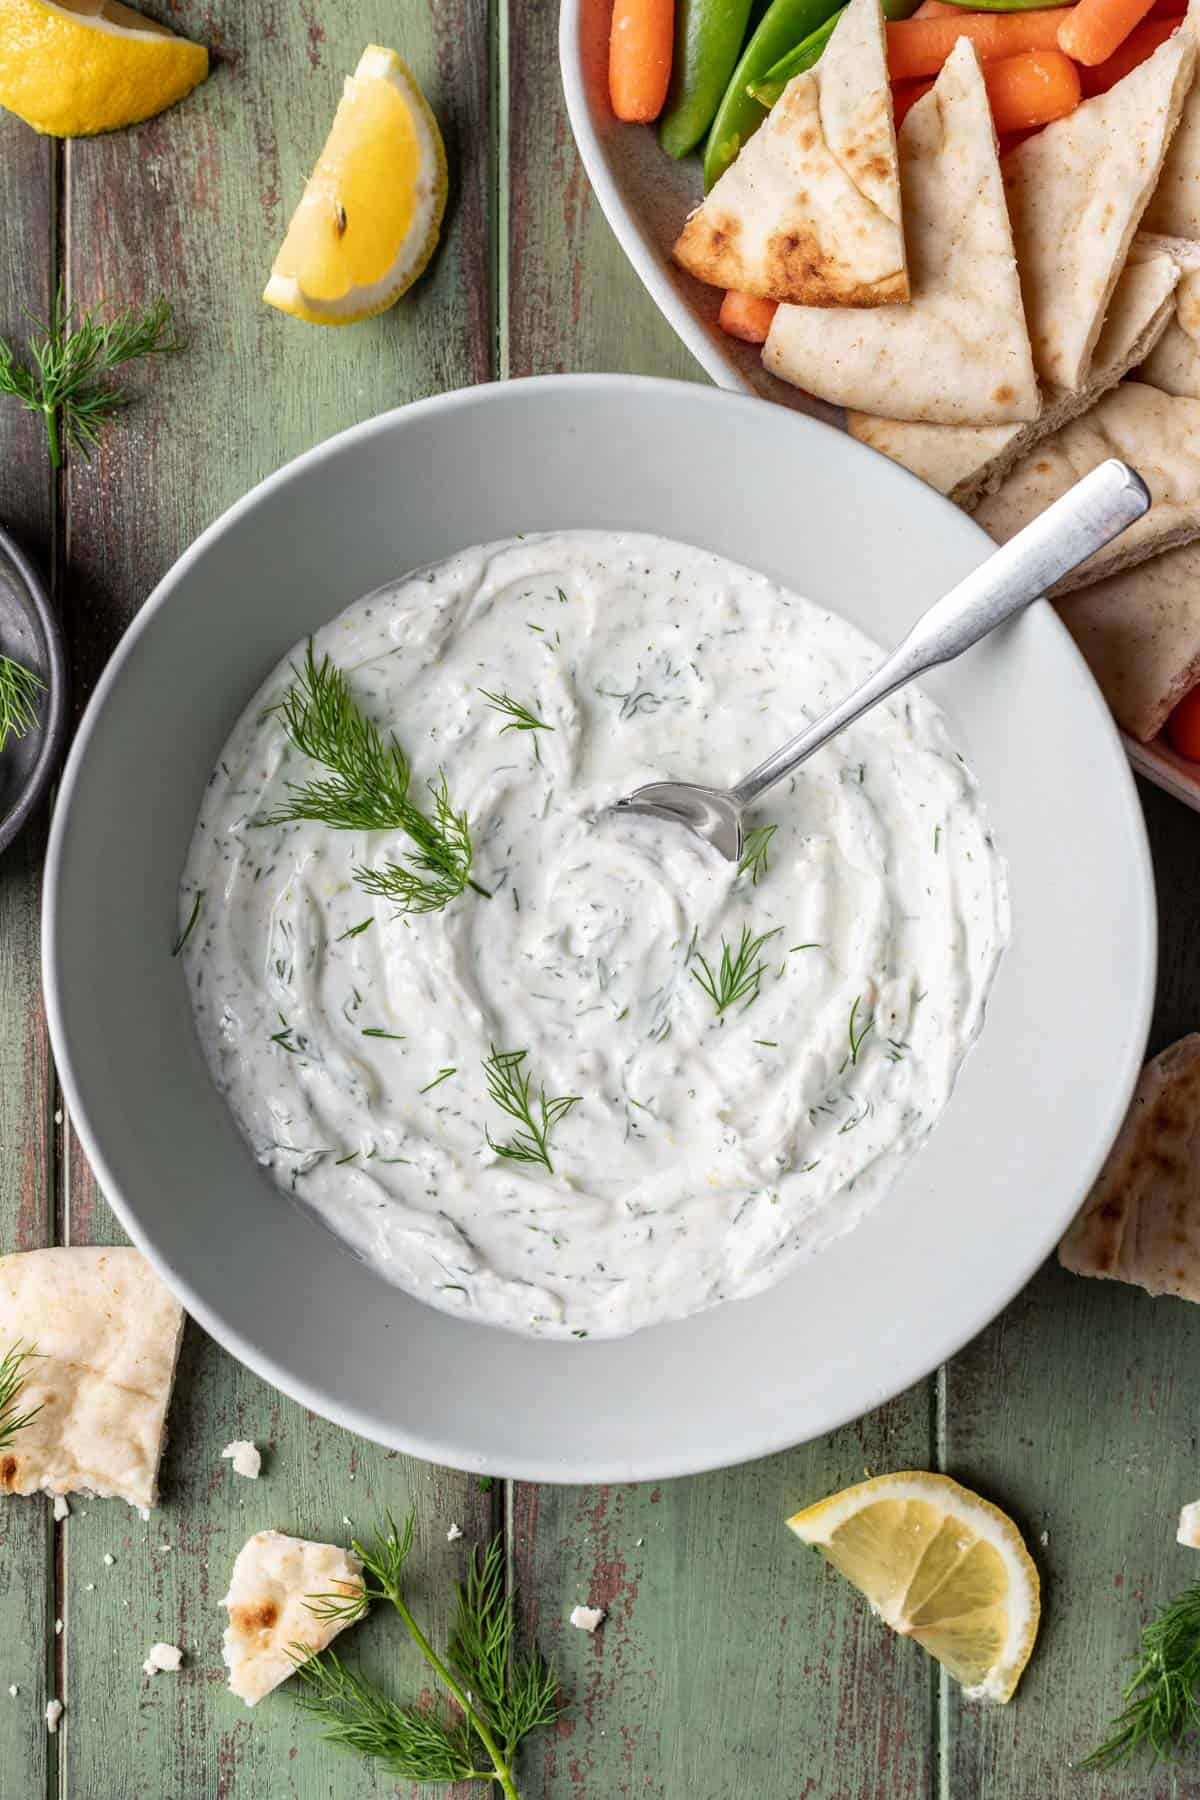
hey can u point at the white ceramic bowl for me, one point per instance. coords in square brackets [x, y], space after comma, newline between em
[975, 1212]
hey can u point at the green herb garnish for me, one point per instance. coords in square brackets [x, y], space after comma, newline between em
[284, 1038]
[186, 933]
[1163, 1698]
[754, 861]
[519, 717]
[12, 1383]
[501, 1695]
[509, 1087]
[357, 930]
[67, 376]
[442, 1075]
[739, 973]
[858, 1035]
[378, 1031]
[19, 690]
[367, 790]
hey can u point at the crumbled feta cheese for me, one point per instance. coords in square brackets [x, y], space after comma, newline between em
[54, 1712]
[109, 1560]
[245, 1457]
[1044, 1539]
[61, 1509]
[14, 1690]
[638, 1542]
[144, 1512]
[586, 1618]
[58, 1627]
[1189, 1525]
[89, 1587]
[162, 1656]
[347, 1520]
[454, 1533]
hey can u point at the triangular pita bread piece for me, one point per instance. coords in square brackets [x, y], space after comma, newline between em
[810, 211]
[1174, 363]
[274, 1577]
[1157, 433]
[1140, 634]
[105, 1332]
[959, 353]
[1076, 192]
[1175, 203]
[1141, 1221]
[964, 461]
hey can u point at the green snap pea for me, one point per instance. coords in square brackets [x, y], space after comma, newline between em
[805, 55]
[784, 24]
[708, 37]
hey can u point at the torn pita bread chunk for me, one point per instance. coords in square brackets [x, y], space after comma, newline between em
[958, 354]
[1189, 1525]
[1174, 362]
[1158, 434]
[1076, 193]
[965, 461]
[810, 210]
[1141, 1221]
[274, 1579]
[105, 1335]
[1139, 632]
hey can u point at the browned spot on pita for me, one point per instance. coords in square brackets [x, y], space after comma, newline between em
[8, 1474]
[259, 1617]
[1004, 395]
[807, 139]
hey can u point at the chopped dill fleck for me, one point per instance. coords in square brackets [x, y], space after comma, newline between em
[357, 930]
[442, 1075]
[858, 1036]
[343, 1160]
[284, 1038]
[186, 933]
[754, 862]
[379, 1032]
[520, 718]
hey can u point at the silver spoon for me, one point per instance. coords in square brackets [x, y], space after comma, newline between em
[1092, 513]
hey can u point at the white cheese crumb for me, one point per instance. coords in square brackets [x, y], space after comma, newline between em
[586, 1618]
[58, 1116]
[166, 1546]
[454, 1533]
[58, 1627]
[347, 1520]
[245, 1457]
[54, 1712]
[109, 1560]
[144, 1512]
[162, 1656]
[61, 1509]
[1189, 1525]
[89, 1587]
[638, 1542]
[14, 1690]
[1044, 1539]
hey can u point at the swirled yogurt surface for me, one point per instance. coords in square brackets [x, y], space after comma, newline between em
[708, 1152]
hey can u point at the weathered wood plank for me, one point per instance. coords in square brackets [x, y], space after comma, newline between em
[194, 205]
[1076, 1412]
[731, 1661]
[26, 1104]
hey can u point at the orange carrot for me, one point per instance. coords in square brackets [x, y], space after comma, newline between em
[747, 317]
[1142, 42]
[1092, 31]
[639, 58]
[905, 95]
[1183, 727]
[1031, 89]
[920, 46]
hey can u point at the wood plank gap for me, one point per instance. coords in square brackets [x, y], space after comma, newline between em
[500, 177]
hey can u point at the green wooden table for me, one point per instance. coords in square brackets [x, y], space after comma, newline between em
[732, 1664]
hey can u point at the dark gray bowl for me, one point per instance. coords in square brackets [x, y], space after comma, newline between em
[30, 634]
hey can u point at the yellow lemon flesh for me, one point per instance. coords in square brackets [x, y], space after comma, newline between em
[940, 1565]
[75, 67]
[369, 219]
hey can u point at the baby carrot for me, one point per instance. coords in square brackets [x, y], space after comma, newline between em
[747, 317]
[905, 95]
[920, 46]
[639, 58]
[1031, 89]
[1142, 42]
[1183, 727]
[1092, 31]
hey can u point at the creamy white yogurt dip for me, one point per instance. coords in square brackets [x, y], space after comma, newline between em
[707, 1152]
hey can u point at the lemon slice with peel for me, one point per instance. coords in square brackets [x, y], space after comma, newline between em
[75, 67]
[370, 215]
[940, 1565]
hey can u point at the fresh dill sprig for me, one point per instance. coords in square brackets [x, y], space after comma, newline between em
[367, 790]
[509, 1087]
[519, 717]
[754, 861]
[186, 933]
[68, 376]
[858, 1035]
[1163, 1699]
[442, 1075]
[502, 1696]
[19, 690]
[739, 973]
[12, 1383]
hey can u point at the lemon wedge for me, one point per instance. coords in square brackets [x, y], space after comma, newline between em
[369, 218]
[75, 67]
[940, 1565]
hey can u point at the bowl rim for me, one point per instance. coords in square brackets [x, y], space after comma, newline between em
[53, 725]
[940, 1344]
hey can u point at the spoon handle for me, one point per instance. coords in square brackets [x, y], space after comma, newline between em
[1096, 510]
